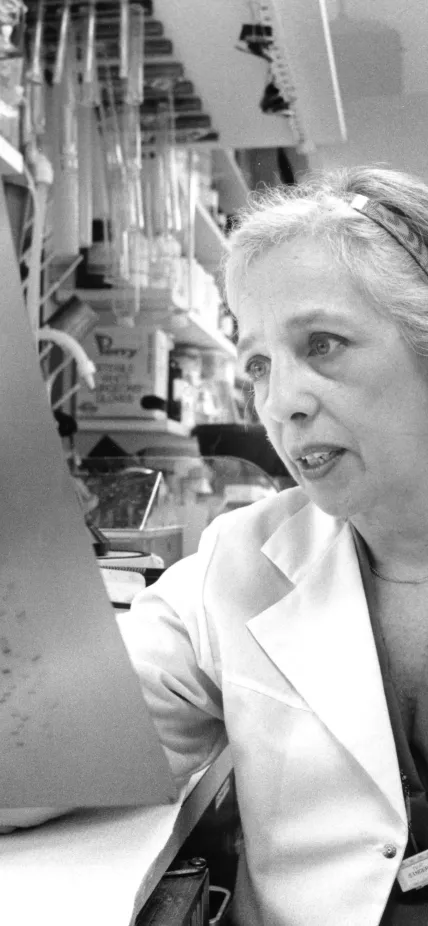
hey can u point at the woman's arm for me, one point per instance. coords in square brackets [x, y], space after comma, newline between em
[167, 640]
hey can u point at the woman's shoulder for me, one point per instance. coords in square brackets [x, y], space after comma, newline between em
[265, 515]
[243, 532]
[283, 522]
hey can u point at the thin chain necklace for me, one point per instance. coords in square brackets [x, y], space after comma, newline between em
[398, 581]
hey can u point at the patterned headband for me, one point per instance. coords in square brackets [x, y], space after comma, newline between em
[395, 226]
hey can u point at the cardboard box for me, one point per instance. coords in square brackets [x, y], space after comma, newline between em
[131, 363]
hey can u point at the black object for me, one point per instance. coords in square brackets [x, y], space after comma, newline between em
[100, 543]
[99, 227]
[285, 169]
[151, 575]
[175, 376]
[218, 837]
[273, 102]
[256, 38]
[245, 441]
[106, 448]
[149, 402]
[67, 425]
[179, 900]
[86, 279]
[184, 867]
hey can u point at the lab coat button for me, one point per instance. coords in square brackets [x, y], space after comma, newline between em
[389, 851]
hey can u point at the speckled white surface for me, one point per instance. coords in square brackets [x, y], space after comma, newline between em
[84, 869]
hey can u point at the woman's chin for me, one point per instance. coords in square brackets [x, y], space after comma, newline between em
[333, 502]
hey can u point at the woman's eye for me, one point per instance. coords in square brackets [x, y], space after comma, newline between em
[322, 344]
[256, 368]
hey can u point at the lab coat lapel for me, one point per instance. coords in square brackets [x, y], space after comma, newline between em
[320, 638]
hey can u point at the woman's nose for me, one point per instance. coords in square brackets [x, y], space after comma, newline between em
[291, 394]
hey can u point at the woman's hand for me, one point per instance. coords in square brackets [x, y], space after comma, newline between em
[21, 818]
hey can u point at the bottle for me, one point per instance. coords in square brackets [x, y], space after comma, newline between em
[175, 389]
[190, 362]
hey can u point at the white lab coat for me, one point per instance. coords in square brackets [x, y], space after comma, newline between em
[264, 636]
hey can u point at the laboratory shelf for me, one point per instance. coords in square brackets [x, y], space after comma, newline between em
[157, 309]
[192, 329]
[211, 244]
[141, 425]
[229, 181]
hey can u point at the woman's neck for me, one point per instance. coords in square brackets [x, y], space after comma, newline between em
[397, 543]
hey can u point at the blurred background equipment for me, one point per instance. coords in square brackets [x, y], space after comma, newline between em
[245, 441]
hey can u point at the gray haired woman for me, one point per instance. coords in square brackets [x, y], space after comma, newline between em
[329, 283]
[299, 631]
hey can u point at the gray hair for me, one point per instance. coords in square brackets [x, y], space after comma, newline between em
[320, 208]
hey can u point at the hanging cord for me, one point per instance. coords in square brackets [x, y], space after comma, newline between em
[38, 187]
[85, 367]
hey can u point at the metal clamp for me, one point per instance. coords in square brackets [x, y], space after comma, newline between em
[186, 867]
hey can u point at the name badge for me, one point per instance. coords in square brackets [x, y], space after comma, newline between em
[413, 872]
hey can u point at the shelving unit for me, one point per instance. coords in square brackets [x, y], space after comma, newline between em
[211, 244]
[134, 425]
[229, 181]
[159, 310]
[191, 329]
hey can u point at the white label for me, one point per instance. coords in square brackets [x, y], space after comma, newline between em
[413, 872]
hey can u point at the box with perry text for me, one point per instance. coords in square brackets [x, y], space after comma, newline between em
[131, 363]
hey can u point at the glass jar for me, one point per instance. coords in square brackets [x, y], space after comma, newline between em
[190, 363]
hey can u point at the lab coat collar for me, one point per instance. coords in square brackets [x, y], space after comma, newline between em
[319, 636]
[299, 541]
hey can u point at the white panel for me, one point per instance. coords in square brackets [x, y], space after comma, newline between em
[205, 34]
[74, 728]
[308, 44]
[231, 83]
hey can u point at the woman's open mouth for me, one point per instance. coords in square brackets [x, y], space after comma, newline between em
[316, 464]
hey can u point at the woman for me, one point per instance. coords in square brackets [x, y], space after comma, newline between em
[299, 632]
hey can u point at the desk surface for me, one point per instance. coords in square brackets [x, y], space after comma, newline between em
[98, 867]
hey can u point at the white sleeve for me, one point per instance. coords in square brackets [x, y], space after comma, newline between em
[167, 638]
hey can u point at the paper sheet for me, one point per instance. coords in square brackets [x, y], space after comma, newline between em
[74, 729]
[82, 870]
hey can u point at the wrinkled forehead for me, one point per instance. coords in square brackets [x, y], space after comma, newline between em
[310, 222]
[277, 271]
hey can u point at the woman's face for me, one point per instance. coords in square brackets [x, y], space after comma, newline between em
[343, 397]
